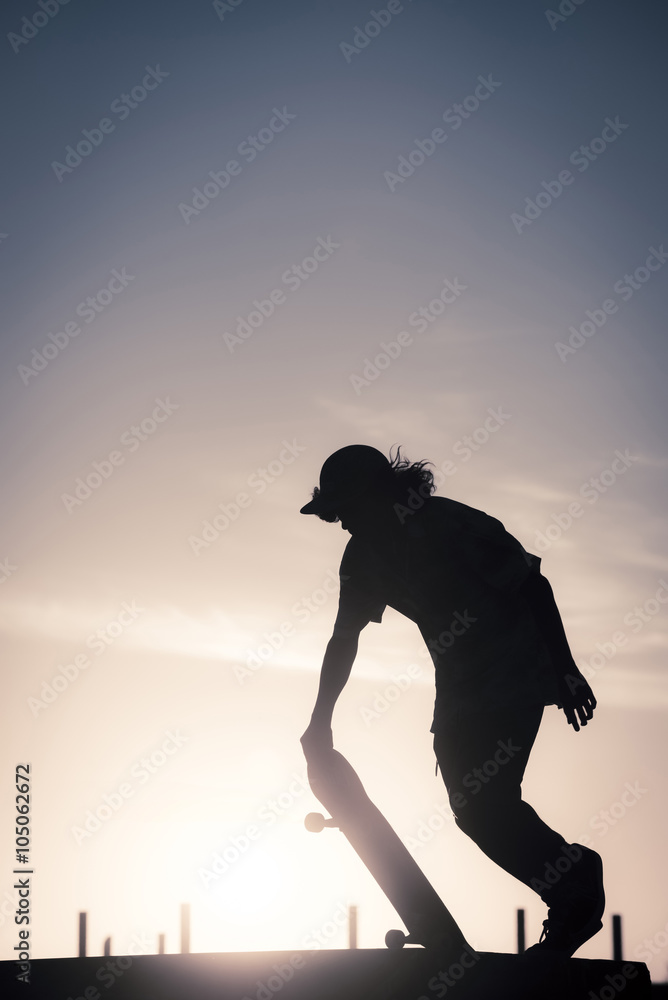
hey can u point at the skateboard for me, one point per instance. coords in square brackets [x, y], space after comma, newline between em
[336, 785]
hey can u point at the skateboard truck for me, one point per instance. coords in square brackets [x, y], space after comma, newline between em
[396, 939]
[315, 822]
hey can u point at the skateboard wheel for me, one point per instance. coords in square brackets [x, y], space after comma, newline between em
[314, 822]
[395, 940]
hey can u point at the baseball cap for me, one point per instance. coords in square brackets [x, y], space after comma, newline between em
[345, 476]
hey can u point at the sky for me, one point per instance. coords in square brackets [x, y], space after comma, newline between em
[234, 238]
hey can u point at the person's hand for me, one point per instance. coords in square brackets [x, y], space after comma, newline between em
[317, 738]
[576, 697]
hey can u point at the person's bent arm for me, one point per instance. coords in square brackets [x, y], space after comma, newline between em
[336, 666]
[575, 694]
[538, 593]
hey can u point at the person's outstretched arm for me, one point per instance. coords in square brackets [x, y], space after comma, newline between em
[574, 691]
[336, 666]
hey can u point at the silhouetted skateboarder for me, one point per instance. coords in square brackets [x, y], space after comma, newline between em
[500, 653]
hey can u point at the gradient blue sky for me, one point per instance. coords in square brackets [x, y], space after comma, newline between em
[176, 666]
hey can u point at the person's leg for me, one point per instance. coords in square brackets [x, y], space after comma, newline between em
[482, 759]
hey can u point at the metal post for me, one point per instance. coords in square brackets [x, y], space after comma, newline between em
[185, 928]
[107, 946]
[82, 935]
[617, 938]
[161, 944]
[352, 926]
[521, 940]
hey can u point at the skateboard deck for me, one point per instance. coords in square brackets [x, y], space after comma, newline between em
[336, 785]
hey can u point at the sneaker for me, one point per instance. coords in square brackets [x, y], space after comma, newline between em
[576, 908]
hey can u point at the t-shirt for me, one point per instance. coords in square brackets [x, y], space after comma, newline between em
[456, 572]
